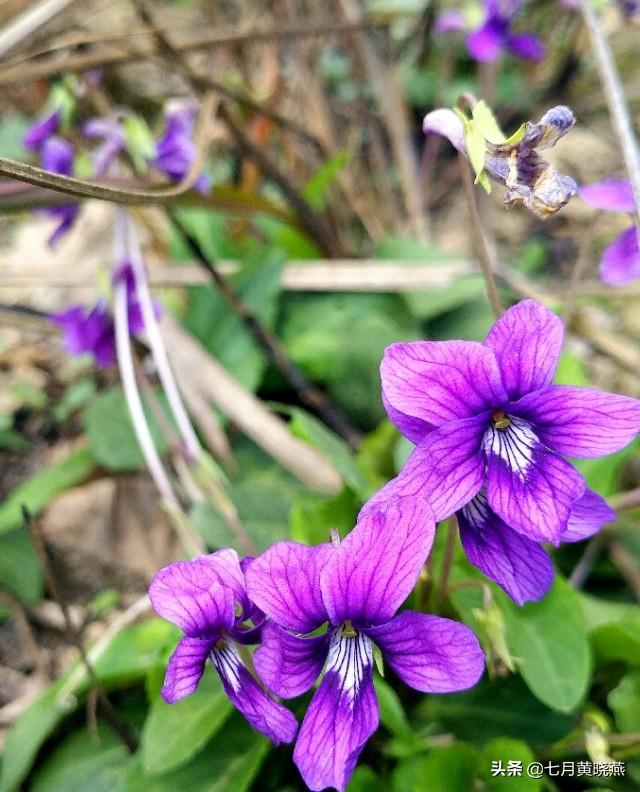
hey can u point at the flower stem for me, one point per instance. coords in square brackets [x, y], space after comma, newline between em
[132, 395]
[154, 337]
[614, 94]
[480, 244]
[447, 561]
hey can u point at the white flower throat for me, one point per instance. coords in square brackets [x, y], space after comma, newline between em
[350, 657]
[513, 440]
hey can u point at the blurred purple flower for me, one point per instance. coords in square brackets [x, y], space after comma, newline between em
[91, 330]
[492, 433]
[628, 8]
[88, 332]
[57, 156]
[495, 36]
[450, 20]
[620, 261]
[356, 587]
[207, 599]
[175, 150]
[41, 130]
[111, 133]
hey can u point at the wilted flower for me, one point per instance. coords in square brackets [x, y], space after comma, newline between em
[356, 587]
[529, 179]
[41, 130]
[91, 330]
[207, 599]
[492, 433]
[620, 261]
[175, 150]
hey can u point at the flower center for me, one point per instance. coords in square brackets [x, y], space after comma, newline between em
[350, 658]
[500, 420]
[348, 630]
[513, 440]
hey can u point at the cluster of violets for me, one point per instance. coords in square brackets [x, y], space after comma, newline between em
[490, 31]
[89, 329]
[172, 153]
[495, 34]
[492, 435]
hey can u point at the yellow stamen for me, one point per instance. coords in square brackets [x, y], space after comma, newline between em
[348, 630]
[500, 420]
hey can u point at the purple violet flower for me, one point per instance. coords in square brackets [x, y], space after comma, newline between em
[529, 179]
[57, 156]
[491, 435]
[620, 261]
[451, 20]
[175, 150]
[111, 134]
[207, 599]
[41, 130]
[88, 332]
[91, 331]
[495, 36]
[356, 587]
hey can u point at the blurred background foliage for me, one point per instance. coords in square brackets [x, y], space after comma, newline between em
[339, 115]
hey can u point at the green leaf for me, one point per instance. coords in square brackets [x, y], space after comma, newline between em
[80, 764]
[309, 428]
[364, 779]
[140, 143]
[31, 729]
[173, 733]
[497, 708]
[12, 131]
[548, 641]
[20, 571]
[44, 486]
[224, 333]
[517, 136]
[452, 768]
[618, 640]
[339, 340]
[263, 496]
[134, 652]
[229, 763]
[486, 123]
[504, 750]
[603, 475]
[76, 396]
[392, 714]
[624, 702]
[131, 655]
[110, 432]
[313, 516]
[375, 456]
[316, 189]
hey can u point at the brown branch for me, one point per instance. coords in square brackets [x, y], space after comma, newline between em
[308, 394]
[314, 225]
[79, 187]
[113, 56]
[74, 635]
